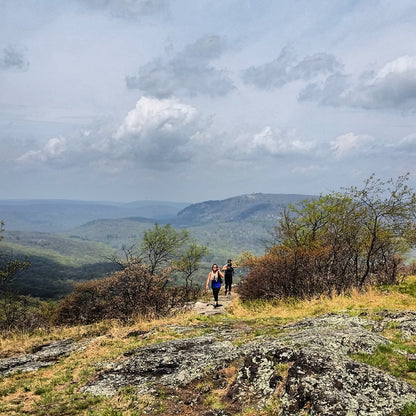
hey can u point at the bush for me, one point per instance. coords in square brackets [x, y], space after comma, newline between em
[284, 273]
[23, 313]
[131, 292]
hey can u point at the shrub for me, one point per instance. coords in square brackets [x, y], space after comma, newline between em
[130, 292]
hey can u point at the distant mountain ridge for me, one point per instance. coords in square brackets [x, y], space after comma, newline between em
[257, 206]
[62, 215]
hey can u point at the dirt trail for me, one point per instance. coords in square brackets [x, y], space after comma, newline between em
[207, 307]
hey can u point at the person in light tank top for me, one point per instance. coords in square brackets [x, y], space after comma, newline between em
[215, 278]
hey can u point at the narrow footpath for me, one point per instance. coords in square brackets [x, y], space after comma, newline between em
[208, 308]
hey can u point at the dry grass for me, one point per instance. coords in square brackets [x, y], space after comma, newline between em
[355, 302]
[23, 342]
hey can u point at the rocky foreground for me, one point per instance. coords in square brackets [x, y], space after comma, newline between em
[306, 368]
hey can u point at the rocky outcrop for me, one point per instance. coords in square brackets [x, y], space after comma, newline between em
[44, 356]
[172, 364]
[307, 369]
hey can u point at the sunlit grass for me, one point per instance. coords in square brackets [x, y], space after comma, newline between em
[401, 297]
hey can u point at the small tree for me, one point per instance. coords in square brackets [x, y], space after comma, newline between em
[168, 252]
[141, 287]
[161, 246]
[188, 264]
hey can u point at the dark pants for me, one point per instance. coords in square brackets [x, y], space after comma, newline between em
[215, 291]
[228, 283]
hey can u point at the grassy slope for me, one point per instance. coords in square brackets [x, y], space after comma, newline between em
[54, 390]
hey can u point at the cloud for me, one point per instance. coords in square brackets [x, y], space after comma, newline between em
[394, 85]
[350, 143]
[13, 58]
[189, 72]
[156, 133]
[53, 150]
[286, 68]
[391, 87]
[129, 8]
[270, 142]
[330, 92]
[407, 145]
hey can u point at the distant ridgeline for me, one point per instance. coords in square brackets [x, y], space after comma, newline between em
[70, 241]
[252, 207]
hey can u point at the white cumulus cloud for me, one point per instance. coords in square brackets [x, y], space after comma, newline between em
[271, 141]
[53, 149]
[349, 143]
[157, 131]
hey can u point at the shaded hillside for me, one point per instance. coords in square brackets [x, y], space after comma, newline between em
[265, 208]
[56, 262]
[114, 232]
[61, 215]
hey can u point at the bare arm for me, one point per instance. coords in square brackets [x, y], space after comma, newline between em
[208, 279]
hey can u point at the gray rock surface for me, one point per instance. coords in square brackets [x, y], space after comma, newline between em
[308, 369]
[322, 378]
[173, 364]
[45, 356]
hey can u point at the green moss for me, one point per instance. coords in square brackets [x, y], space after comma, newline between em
[408, 410]
[392, 358]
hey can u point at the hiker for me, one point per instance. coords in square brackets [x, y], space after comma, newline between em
[215, 277]
[228, 270]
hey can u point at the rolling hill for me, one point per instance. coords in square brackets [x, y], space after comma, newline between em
[99, 230]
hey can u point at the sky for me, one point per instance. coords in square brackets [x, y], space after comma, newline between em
[188, 101]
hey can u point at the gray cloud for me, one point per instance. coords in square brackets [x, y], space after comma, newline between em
[329, 92]
[286, 68]
[13, 58]
[189, 72]
[392, 87]
[129, 8]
